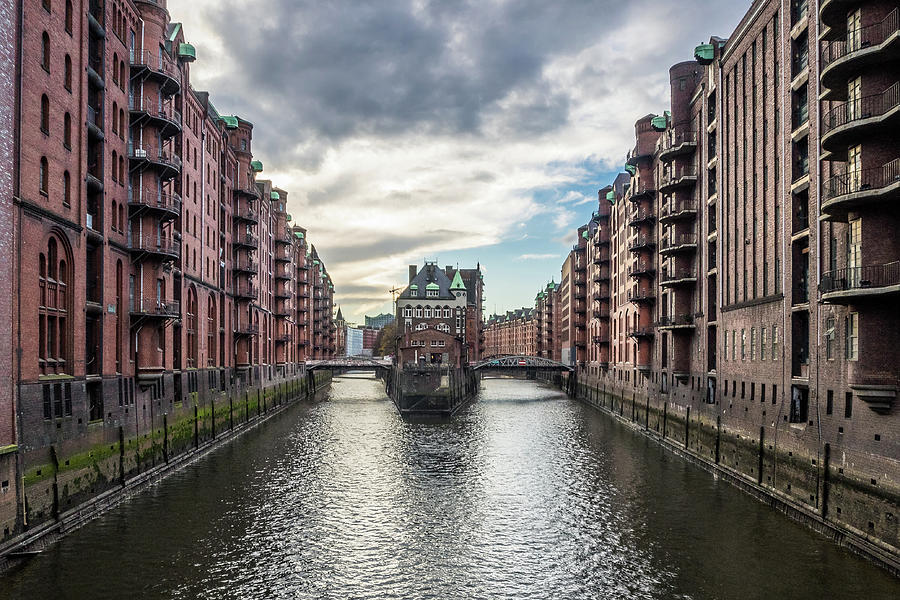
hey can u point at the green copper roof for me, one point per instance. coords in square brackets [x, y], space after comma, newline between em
[289, 217]
[704, 54]
[585, 235]
[256, 165]
[230, 122]
[298, 234]
[611, 196]
[432, 286]
[457, 282]
[631, 169]
[316, 262]
[274, 195]
[658, 123]
[187, 52]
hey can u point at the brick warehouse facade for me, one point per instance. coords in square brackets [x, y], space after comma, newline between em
[743, 269]
[155, 278]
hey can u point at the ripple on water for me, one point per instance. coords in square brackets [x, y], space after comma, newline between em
[523, 495]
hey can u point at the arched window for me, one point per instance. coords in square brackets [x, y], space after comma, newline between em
[115, 115]
[114, 216]
[121, 170]
[122, 78]
[67, 130]
[45, 114]
[122, 123]
[122, 217]
[67, 74]
[192, 327]
[211, 332]
[45, 51]
[44, 176]
[115, 68]
[120, 293]
[115, 162]
[69, 17]
[67, 188]
[53, 309]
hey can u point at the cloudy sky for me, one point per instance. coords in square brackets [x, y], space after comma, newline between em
[454, 131]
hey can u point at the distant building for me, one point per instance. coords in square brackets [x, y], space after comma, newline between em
[370, 335]
[353, 339]
[440, 312]
[379, 321]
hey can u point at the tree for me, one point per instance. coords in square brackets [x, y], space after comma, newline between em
[386, 340]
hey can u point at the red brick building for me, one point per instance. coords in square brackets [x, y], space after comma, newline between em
[746, 265]
[514, 333]
[154, 273]
[440, 322]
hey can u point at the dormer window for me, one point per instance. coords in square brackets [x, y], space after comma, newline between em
[431, 293]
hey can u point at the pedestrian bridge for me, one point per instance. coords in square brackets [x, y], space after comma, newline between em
[349, 363]
[521, 363]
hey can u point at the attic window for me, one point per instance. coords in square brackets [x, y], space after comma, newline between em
[432, 293]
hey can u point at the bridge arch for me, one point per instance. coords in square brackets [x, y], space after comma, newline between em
[522, 363]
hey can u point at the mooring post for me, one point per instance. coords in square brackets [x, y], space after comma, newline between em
[121, 455]
[718, 435]
[687, 428]
[826, 480]
[166, 438]
[196, 428]
[762, 442]
[665, 418]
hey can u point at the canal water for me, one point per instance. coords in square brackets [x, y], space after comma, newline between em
[524, 494]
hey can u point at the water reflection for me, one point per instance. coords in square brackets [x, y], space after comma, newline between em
[524, 494]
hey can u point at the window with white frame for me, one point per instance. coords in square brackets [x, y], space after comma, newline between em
[431, 293]
[446, 313]
[421, 327]
[427, 312]
[418, 312]
[407, 312]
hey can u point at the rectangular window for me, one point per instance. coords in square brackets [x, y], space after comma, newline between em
[427, 312]
[774, 342]
[734, 344]
[48, 406]
[852, 336]
[743, 344]
[753, 343]
[848, 405]
[829, 402]
[854, 252]
[799, 405]
[419, 312]
[829, 338]
[763, 341]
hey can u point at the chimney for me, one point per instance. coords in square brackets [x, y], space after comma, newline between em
[412, 272]
[449, 271]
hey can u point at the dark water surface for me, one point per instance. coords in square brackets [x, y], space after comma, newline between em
[525, 494]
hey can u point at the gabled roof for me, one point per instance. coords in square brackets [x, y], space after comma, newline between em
[429, 278]
[457, 282]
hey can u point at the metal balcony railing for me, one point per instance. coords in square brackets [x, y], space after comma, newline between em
[154, 244]
[861, 108]
[677, 274]
[858, 278]
[158, 155]
[154, 107]
[860, 39]
[676, 240]
[863, 180]
[244, 290]
[675, 320]
[154, 62]
[676, 208]
[155, 307]
[155, 200]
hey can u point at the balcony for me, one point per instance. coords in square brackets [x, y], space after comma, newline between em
[162, 116]
[245, 330]
[246, 189]
[641, 268]
[848, 191]
[833, 14]
[602, 238]
[844, 286]
[283, 294]
[641, 242]
[155, 308]
[637, 154]
[245, 265]
[641, 333]
[601, 276]
[677, 144]
[146, 64]
[167, 206]
[640, 217]
[601, 257]
[676, 177]
[245, 291]
[282, 338]
[678, 242]
[166, 248]
[641, 191]
[245, 240]
[165, 161]
[247, 215]
[874, 44]
[601, 314]
[641, 296]
[678, 211]
[676, 322]
[854, 120]
[284, 238]
[283, 275]
[676, 277]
